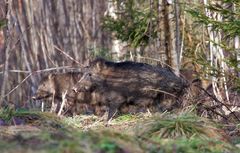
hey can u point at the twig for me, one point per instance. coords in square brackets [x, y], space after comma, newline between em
[162, 64]
[154, 59]
[157, 90]
[75, 89]
[17, 86]
[215, 99]
[63, 102]
[51, 69]
[64, 53]
[43, 70]
[16, 71]
[230, 105]
[30, 73]
[212, 110]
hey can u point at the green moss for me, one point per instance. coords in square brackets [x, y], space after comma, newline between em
[126, 117]
[184, 133]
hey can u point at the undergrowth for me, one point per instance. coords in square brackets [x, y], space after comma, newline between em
[159, 133]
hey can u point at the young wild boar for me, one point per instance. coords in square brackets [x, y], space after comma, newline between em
[101, 95]
[54, 86]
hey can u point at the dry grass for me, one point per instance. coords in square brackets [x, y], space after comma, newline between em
[44, 132]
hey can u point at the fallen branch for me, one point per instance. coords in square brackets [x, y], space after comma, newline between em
[161, 91]
[43, 70]
[213, 110]
[63, 102]
[70, 57]
[16, 86]
[218, 101]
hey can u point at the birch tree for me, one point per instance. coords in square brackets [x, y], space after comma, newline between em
[152, 27]
[223, 30]
[216, 53]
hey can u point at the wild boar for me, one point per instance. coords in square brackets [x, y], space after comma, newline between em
[120, 84]
[137, 76]
[55, 85]
[101, 96]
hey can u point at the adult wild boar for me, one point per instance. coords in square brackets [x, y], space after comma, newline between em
[124, 83]
[54, 86]
[137, 76]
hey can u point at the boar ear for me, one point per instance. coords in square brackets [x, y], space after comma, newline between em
[99, 66]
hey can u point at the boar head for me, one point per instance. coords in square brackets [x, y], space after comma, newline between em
[87, 83]
[46, 88]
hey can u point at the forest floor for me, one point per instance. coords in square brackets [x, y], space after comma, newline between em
[23, 131]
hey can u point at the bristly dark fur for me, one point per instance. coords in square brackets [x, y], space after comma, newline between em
[58, 83]
[121, 65]
[125, 83]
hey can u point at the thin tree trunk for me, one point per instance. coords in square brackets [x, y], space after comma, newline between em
[170, 36]
[178, 39]
[41, 29]
[217, 57]
[237, 47]
[167, 34]
[7, 54]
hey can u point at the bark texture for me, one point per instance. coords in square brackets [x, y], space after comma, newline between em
[40, 34]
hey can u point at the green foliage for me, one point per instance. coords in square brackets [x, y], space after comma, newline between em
[169, 126]
[3, 23]
[231, 18]
[103, 139]
[125, 117]
[193, 145]
[133, 23]
[228, 26]
[184, 133]
[79, 121]
[10, 116]
[108, 146]
[8, 113]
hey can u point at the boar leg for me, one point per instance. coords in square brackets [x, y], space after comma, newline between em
[63, 102]
[112, 111]
[54, 105]
[42, 106]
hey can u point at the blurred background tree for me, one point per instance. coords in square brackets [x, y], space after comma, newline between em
[221, 23]
[38, 36]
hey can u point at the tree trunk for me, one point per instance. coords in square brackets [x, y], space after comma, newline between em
[217, 56]
[171, 43]
[42, 33]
